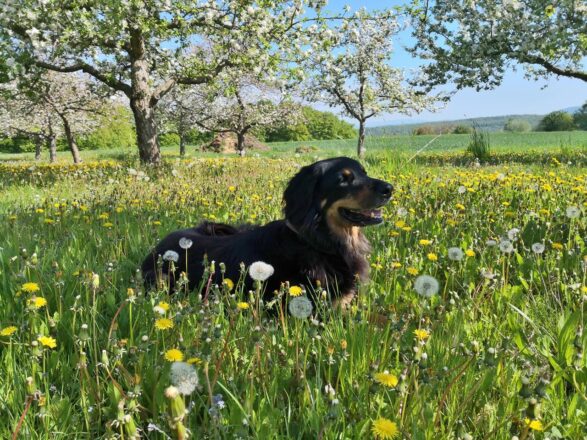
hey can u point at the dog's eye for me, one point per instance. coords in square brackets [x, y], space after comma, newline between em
[346, 177]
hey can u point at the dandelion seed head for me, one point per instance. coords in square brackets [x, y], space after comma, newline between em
[300, 307]
[170, 255]
[573, 212]
[537, 248]
[455, 254]
[184, 377]
[426, 286]
[185, 243]
[506, 246]
[260, 271]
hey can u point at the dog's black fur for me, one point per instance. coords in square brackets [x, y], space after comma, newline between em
[325, 205]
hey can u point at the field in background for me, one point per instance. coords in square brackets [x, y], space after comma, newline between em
[554, 142]
[498, 352]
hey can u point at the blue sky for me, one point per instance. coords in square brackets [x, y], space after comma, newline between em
[516, 95]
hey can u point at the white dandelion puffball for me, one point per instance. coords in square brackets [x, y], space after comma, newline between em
[185, 243]
[402, 212]
[300, 307]
[455, 254]
[171, 256]
[506, 246]
[260, 271]
[537, 248]
[573, 212]
[462, 189]
[426, 286]
[513, 233]
[491, 242]
[184, 377]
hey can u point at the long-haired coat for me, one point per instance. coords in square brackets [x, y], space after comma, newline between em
[325, 206]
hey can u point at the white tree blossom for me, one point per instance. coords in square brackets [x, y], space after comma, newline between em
[145, 48]
[472, 43]
[352, 70]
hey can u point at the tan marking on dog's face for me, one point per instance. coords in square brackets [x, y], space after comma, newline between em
[346, 172]
[333, 218]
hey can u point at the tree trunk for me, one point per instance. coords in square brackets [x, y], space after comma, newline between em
[142, 102]
[38, 146]
[71, 141]
[181, 144]
[240, 144]
[52, 144]
[361, 144]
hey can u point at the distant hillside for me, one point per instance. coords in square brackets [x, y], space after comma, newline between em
[491, 123]
[571, 109]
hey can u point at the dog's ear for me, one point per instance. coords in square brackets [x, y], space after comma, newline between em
[301, 207]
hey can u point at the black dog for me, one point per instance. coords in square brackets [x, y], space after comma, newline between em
[326, 204]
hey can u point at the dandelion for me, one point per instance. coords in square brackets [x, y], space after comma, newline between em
[432, 256]
[242, 305]
[402, 212]
[425, 242]
[295, 291]
[260, 271]
[171, 256]
[462, 189]
[470, 253]
[163, 305]
[47, 341]
[173, 355]
[95, 281]
[513, 233]
[421, 334]
[194, 361]
[30, 287]
[426, 286]
[387, 379]
[412, 271]
[537, 248]
[535, 425]
[506, 246]
[185, 243]
[300, 307]
[384, 429]
[460, 206]
[184, 377]
[8, 331]
[38, 302]
[573, 212]
[163, 324]
[558, 246]
[455, 254]
[491, 243]
[228, 283]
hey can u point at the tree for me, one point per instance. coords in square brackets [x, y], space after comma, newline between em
[580, 117]
[472, 43]
[557, 121]
[22, 116]
[517, 125]
[352, 71]
[145, 48]
[240, 103]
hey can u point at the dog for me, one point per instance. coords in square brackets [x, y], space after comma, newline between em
[320, 240]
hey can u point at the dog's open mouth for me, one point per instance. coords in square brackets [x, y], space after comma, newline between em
[362, 217]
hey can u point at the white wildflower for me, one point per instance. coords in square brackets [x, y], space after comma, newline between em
[506, 246]
[184, 377]
[171, 256]
[185, 243]
[260, 271]
[426, 286]
[455, 254]
[573, 212]
[300, 307]
[538, 248]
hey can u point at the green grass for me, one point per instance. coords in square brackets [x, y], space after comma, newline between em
[505, 329]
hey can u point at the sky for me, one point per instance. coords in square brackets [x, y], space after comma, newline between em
[516, 95]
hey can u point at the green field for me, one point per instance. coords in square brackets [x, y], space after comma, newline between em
[498, 352]
[396, 144]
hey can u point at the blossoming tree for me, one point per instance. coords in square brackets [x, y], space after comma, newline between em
[240, 103]
[352, 70]
[145, 48]
[472, 43]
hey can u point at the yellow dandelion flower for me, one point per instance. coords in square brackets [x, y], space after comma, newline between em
[425, 242]
[584, 289]
[421, 334]
[163, 305]
[396, 265]
[194, 361]
[407, 228]
[460, 206]
[38, 302]
[295, 291]
[387, 379]
[174, 355]
[432, 256]
[47, 341]
[557, 246]
[156, 223]
[535, 425]
[228, 283]
[384, 429]
[393, 233]
[400, 224]
[30, 287]
[242, 305]
[232, 188]
[413, 271]
[470, 253]
[49, 221]
[163, 324]
[8, 331]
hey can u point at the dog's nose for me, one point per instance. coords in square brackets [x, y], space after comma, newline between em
[385, 189]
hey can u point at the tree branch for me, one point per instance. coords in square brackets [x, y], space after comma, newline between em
[535, 59]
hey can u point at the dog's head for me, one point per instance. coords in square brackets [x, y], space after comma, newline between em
[336, 193]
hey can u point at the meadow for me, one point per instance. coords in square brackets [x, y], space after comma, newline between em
[496, 353]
